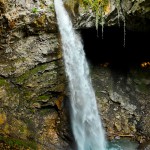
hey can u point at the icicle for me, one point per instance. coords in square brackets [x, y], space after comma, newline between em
[124, 31]
[118, 11]
[102, 21]
[96, 22]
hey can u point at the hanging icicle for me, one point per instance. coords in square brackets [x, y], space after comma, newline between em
[118, 11]
[97, 21]
[102, 21]
[124, 31]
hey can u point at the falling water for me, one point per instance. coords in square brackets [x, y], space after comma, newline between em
[86, 124]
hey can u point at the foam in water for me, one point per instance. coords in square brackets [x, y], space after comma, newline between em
[122, 144]
[86, 124]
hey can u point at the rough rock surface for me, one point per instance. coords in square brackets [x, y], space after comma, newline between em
[123, 101]
[135, 14]
[32, 79]
[145, 146]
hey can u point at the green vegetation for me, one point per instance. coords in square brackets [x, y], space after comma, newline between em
[44, 111]
[35, 10]
[2, 81]
[99, 7]
[51, 7]
[18, 143]
[39, 69]
[43, 97]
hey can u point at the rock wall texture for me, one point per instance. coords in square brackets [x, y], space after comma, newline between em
[134, 13]
[33, 113]
[123, 100]
[32, 80]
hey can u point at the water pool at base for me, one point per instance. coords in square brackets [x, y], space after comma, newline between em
[122, 144]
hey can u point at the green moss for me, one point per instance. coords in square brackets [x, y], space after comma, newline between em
[39, 21]
[5, 83]
[18, 143]
[2, 81]
[29, 122]
[27, 94]
[10, 68]
[99, 7]
[34, 10]
[29, 73]
[51, 7]
[44, 111]
[22, 129]
[43, 97]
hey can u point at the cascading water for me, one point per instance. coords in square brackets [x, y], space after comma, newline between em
[86, 124]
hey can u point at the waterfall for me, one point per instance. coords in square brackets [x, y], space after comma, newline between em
[86, 123]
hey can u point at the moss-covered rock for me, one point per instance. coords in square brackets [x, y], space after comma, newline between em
[134, 13]
[32, 79]
[8, 143]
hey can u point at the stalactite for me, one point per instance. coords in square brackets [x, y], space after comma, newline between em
[124, 32]
[117, 3]
[121, 15]
[102, 21]
[99, 7]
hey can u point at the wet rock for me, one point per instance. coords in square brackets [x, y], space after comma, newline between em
[136, 13]
[144, 146]
[32, 79]
[124, 113]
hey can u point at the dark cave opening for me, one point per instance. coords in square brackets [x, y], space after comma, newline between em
[111, 48]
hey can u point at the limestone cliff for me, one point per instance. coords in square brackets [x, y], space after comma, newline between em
[32, 78]
[123, 100]
[135, 14]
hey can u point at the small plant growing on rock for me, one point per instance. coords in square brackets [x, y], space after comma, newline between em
[51, 7]
[35, 10]
[98, 7]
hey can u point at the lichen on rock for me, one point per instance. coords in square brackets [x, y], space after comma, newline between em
[32, 79]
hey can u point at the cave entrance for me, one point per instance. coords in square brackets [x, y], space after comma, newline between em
[111, 48]
[120, 75]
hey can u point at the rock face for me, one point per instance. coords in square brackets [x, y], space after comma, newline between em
[135, 14]
[145, 146]
[123, 100]
[32, 79]
[33, 112]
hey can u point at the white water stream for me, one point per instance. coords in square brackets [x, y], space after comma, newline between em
[86, 123]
